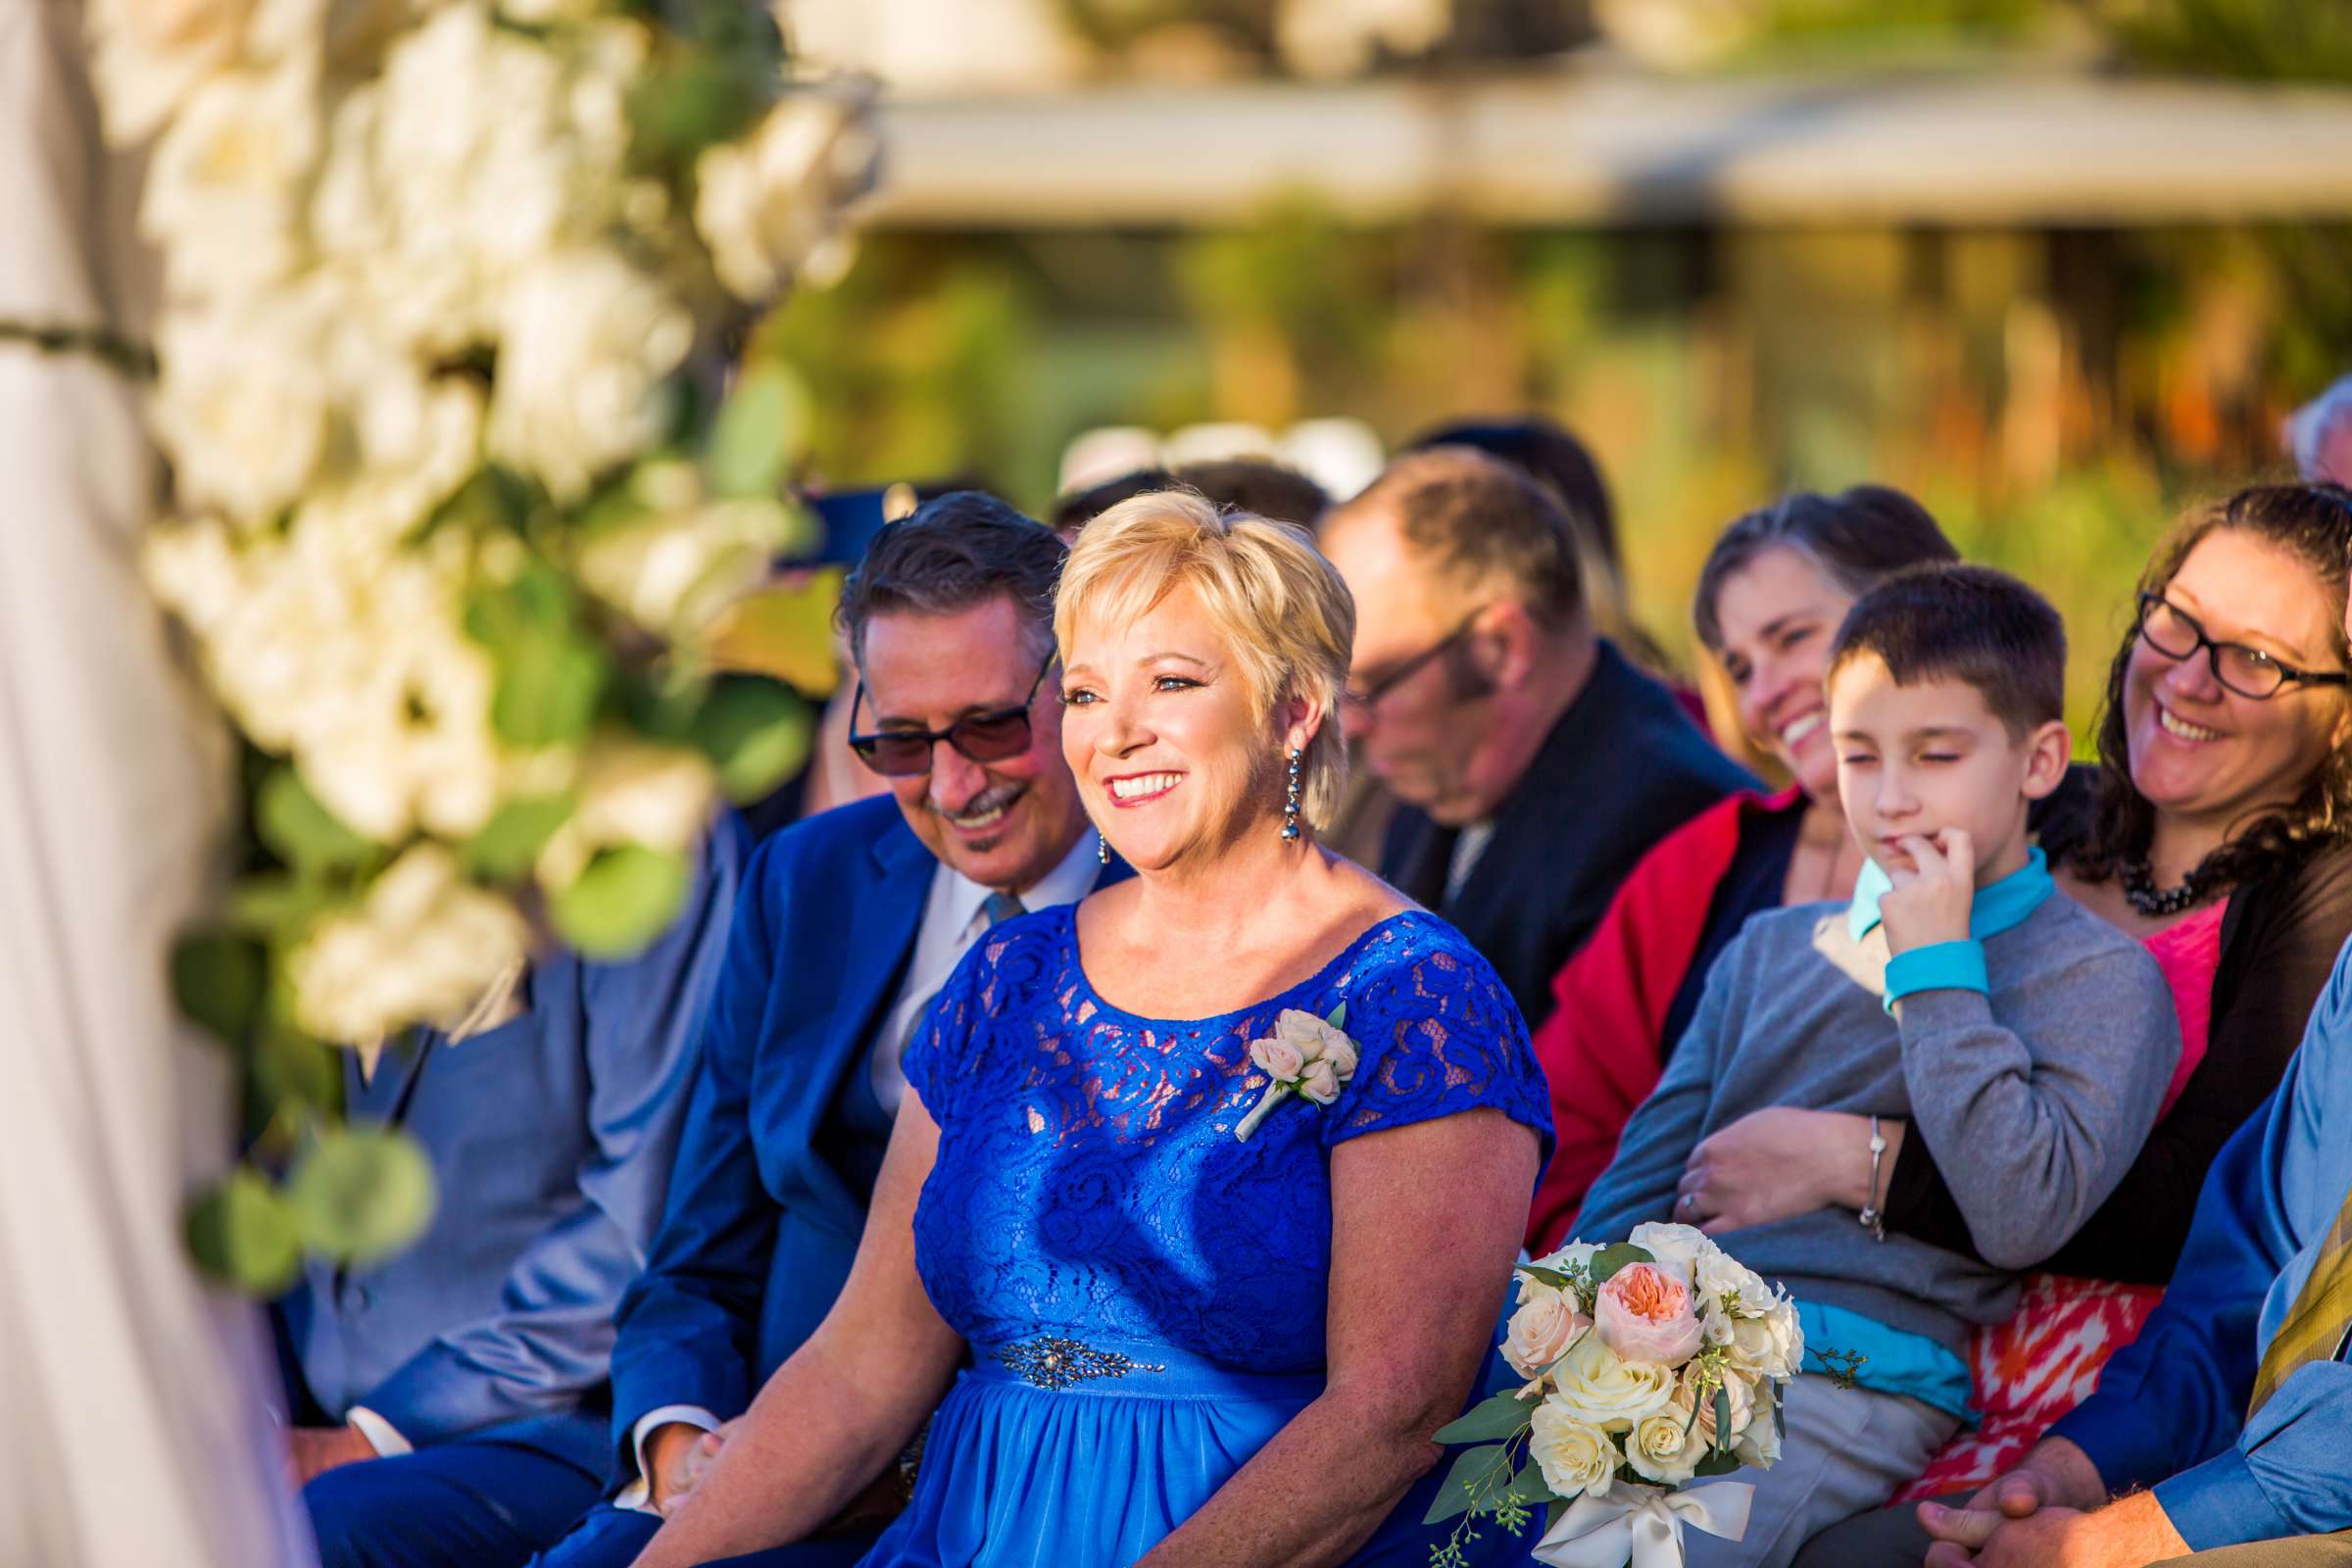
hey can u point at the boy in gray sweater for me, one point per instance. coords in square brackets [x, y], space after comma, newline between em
[2028, 1040]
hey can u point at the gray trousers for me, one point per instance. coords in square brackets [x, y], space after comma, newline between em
[1846, 1452]
[1892, 1538]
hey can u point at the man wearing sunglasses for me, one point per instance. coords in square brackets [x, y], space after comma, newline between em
[849, 923]
[1536, 764]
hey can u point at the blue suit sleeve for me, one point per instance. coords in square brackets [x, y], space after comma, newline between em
[688, 1327]
[550, 1340]
[2171, 1408]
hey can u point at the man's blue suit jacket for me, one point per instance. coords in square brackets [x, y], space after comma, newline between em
[784, 1140]
[552, 1139]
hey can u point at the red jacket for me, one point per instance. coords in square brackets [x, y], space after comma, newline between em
[1600, 1047]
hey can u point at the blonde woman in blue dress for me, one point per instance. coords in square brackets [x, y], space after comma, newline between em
[1146, 1337]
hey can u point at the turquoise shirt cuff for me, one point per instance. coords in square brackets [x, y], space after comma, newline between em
[1939, 966]
[1892, 1361]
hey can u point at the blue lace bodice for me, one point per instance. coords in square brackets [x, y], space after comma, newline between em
[1089, 1183]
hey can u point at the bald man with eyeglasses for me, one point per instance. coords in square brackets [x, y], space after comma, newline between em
[847, 925]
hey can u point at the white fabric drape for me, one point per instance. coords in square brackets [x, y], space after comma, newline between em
[133, 1424]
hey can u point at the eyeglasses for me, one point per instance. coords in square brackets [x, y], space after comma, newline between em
[1365, 697]
[981, 737]
[2248, 672]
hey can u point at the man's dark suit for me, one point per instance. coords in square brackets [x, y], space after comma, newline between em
[1623, 767]
[782, 1145]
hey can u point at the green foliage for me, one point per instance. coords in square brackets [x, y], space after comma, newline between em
[627, 897]
[1501, 1415]
[219, 978]
[1475, 1475]
[244, 1234]
[302, 832]
[1609, 1259]
[761, 429]
[1546, 1276]
[291, 1076]
[1339, 1015]
[507, 845]
[714, 72]
[551, 673]
[757, 732]
[2286, 41]
[359, 1195]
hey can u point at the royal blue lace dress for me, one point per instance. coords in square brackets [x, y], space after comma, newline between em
[1141, 1293]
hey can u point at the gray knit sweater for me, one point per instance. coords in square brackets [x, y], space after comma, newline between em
[2035, 1099]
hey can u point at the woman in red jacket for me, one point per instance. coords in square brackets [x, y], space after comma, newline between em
[1768, 600]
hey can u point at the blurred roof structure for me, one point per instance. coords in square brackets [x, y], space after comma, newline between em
[1605, 149]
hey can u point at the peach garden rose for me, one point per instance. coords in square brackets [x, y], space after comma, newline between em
[1648, 1312]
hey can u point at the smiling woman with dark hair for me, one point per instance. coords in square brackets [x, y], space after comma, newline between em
[1768, 600]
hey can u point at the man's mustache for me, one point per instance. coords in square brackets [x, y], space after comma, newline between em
[995, 798]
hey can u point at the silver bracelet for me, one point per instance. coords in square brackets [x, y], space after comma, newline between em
[1873, 1218]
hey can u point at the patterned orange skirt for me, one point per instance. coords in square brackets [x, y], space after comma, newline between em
[2034, 1369]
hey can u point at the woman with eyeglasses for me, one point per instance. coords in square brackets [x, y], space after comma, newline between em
[2221, 835]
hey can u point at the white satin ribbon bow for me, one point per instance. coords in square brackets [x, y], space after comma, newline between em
[1643, 1526]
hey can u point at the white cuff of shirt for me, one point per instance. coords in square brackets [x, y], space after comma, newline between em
[636, 1494]
[381, 1434]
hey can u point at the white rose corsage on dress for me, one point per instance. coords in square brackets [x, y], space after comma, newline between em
[1305, 1055]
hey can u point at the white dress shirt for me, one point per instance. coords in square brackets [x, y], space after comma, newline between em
[954, 914]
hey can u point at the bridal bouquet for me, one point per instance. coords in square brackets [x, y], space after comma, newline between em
[1650, 1364]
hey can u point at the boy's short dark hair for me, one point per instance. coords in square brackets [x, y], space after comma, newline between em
[1972, 624]
[956, 551]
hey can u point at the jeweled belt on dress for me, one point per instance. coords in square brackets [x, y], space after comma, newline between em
[1052, 1363]
[1059, 1363]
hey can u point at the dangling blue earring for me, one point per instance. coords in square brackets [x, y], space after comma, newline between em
[1289, 804]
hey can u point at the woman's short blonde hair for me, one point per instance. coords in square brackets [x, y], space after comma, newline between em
[1289, 617]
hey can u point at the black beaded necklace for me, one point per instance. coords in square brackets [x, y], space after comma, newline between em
[2143, 894]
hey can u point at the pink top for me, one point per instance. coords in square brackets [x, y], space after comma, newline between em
[2188, 952]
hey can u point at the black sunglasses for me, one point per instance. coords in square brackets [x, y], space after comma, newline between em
[981, 737]
[2248, 672]
[1365, 696]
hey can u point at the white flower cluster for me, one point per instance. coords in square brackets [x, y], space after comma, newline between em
[406, 242]
[1669, 1363]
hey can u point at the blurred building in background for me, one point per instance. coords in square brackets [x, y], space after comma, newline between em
[2058, 266]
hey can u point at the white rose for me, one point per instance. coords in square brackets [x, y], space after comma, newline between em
[1760, 1444]
[420, 948]
[1319, 1083]
[630, 792]
[1772, 1346]
[1679, 1245]
[150, 55]
[673, 574]
[1576, 1456]
[1317, 1038]
[1611, 1392]
[224, 191]
[764, 204]
[482, 154]
[1278, 1059]
[194, 569]
[1665, 1447]
[1542, 1328]
[409, 741]
[242, 405]
[586, 344]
